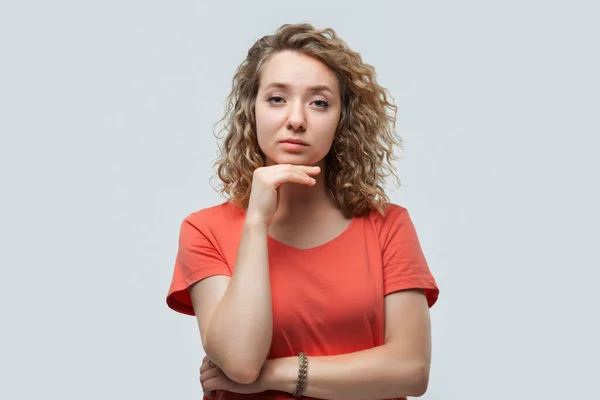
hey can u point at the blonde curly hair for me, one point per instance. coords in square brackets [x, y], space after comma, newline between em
[361, 156]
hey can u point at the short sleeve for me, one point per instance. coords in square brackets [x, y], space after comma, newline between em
[404, 264]
[197, 258]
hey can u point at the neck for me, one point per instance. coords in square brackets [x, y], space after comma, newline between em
[298, 201]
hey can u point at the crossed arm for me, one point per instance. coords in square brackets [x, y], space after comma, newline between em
[398, 368]
[235, 321]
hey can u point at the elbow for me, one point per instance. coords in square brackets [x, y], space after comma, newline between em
[239, 367]
[238, 370]
[246, 377]
[234, 369]
[420, 380]
[243, 376]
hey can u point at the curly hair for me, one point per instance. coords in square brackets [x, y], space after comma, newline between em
[362, 153]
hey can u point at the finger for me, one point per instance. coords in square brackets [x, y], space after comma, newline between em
[212, 384]
[305, 169]
[314, 170]
[206, 364]
[208, 374]
[205, 367]
[294, 177]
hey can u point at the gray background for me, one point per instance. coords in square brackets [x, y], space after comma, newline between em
[106, 111]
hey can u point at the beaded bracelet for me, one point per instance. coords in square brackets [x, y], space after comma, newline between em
[302, 370]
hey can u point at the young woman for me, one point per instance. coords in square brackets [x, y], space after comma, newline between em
[307, 281]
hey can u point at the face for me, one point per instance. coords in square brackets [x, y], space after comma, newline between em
[297, 109]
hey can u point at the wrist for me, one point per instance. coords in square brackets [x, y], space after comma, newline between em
[280, 374]
[255, 223]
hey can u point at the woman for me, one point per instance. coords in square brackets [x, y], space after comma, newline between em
[307, 281]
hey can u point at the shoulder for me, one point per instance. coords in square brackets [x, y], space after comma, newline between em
[389, 218]
[220, 217]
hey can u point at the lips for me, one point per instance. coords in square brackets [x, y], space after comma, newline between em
[293, 145]
[295, 141]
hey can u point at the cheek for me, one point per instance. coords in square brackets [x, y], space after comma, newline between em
[267, 121]
[267, 126]
[328, 127]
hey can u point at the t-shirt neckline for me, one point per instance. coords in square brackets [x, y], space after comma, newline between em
[330, 242]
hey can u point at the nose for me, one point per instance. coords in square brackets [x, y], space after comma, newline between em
[296, 119]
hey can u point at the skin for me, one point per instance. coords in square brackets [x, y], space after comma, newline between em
[289, 202]
[296, 111]
[299, 97]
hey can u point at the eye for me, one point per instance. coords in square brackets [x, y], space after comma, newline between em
[321, 103]
[275, 99]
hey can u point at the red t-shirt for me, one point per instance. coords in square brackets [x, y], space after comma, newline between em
[327, 300]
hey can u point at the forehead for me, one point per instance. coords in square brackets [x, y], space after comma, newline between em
[297, 70]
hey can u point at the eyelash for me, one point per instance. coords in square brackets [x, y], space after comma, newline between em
[326, 103]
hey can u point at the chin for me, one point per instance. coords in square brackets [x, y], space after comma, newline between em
[293, 158]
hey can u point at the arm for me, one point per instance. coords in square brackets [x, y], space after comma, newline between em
[398, 368]
[235, 314]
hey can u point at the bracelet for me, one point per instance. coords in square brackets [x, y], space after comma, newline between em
[302, 370]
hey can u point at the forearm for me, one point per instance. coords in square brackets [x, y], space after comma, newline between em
[241, 327]
[377, 373]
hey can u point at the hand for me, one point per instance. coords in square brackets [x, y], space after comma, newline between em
[206, 365]
[266, 182]
[213, 378]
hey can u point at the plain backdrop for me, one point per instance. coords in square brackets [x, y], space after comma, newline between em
[106, 115]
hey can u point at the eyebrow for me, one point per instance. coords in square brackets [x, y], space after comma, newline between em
[313, 89]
